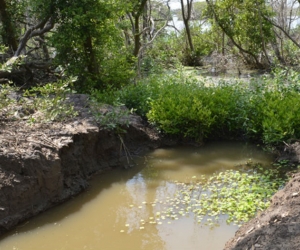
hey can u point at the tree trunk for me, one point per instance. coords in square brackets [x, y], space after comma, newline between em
[188, 33]
[140, 8]
[9, 36]
[263, 38]
[137, 36]
[242, 50]
[186, 16]
[90, 56]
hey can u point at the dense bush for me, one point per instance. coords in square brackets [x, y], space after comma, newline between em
[265, 109]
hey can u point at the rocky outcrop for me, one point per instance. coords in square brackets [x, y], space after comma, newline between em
[42, 165]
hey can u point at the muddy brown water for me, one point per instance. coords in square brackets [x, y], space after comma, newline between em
[118, 212]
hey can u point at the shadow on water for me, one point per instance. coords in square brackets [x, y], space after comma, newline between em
[125, 197]
[97, 185]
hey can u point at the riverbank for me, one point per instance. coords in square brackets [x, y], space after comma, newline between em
[45, 164]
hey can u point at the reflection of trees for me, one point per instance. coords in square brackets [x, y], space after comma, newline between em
[149, 172]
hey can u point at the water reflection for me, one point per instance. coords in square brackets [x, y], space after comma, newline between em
[120, 210]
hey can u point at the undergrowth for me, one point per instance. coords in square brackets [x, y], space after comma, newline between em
[41, 104]
[264, 109]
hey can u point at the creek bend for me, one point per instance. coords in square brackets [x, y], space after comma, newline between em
[115, 212]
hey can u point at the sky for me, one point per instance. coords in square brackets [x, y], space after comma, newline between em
[175, 4]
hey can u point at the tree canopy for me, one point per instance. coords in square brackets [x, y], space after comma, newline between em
[111, 43]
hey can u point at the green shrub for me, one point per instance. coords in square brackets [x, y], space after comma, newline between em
[135, 96]
[192, 109]
[51, 101]
[265, 109]
[281, 120]
[273, 116]
[179, 110]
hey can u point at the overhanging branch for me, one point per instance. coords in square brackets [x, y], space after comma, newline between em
[41, 28]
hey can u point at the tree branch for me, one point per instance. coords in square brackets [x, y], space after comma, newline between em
[36, 30]
[230, 36]
[283, 30]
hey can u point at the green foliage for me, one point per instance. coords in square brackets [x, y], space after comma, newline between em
[264, 109]
[173, 48]
[180, 109]
[203, 41]
[51, 101]
[162, 54]
[280, 122]
[238, 194]
[47, 103]
[274, 105]
[2, 48]
[135, 96]
[90, 46]
[291, 53]
[187, 107]
[6, 109]
[243, 22]
[110, 117]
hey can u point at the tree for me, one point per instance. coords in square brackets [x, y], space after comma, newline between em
[17, 17]
[242, 22]
[286, 14]
[146, 17]
[186, 16]
[9, 36]
[85, 39]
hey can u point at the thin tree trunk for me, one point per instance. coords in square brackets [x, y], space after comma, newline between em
[9, 36]
[137, 36]
[90, 56]
[136, 29]
[263, 38]
[231, 38]
[186, 16]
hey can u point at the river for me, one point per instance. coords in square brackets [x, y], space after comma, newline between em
[119, 210]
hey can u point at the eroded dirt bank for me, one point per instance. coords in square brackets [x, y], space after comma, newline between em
[277, 228]
[43, 165]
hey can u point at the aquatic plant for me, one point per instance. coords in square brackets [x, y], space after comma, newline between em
[237, 195]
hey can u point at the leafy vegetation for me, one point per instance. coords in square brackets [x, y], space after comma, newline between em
[47, 103]
[262, 109]
[114, 43]
[237, 195]
[126, 53]
[111, 117]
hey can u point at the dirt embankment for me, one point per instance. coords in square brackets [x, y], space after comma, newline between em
[42, 165]
[277, 228]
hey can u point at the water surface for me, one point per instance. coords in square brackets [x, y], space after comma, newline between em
[119, 209]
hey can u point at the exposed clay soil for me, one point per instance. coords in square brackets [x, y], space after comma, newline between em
[42, 165]
[278, 227]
